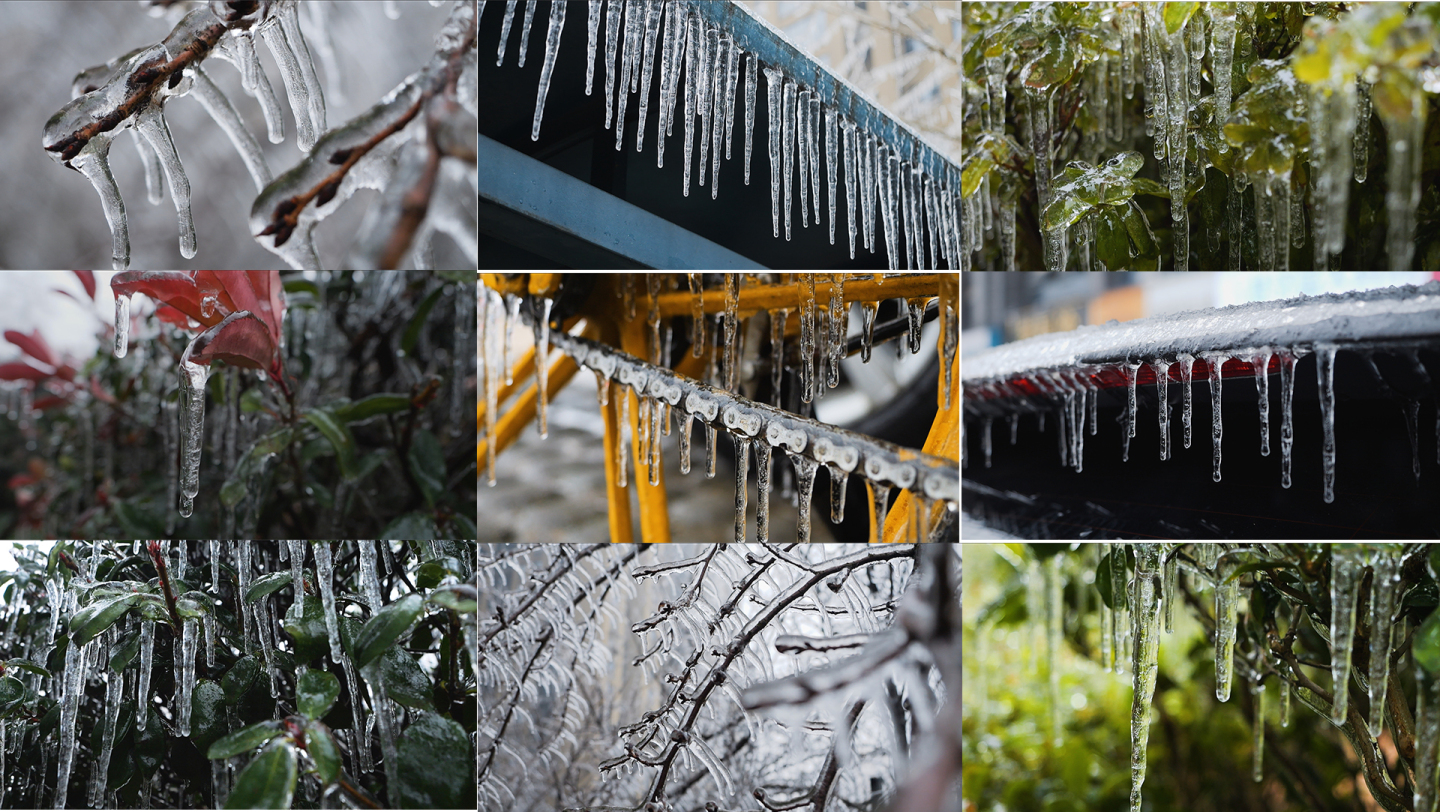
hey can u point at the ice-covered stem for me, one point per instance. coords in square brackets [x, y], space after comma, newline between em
[319, 186]
[1377, 776]
[747, 634]
[157, 557]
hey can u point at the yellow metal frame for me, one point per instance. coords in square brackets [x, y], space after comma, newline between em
[607, 322]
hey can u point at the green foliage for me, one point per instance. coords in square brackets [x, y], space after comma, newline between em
[279, 740]
[1199, 748]
[1067, 57]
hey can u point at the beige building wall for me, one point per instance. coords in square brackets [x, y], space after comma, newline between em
[904, 53]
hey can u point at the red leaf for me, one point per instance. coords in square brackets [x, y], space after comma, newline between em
[87, 278]
[175, 288]
[20, 481]
[48, 403]
[18, 371]
[169, 314]
[34, 345]
[99, 392]
[241, 340]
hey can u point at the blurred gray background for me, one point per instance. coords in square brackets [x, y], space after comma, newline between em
[50, 217]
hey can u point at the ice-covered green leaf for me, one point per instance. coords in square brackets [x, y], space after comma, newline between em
[321, 746]
[315, 692]
[265, 584]
[268, 781]
[1177, 14]
[430, 774]
[385, 628]
[244, 740]
[1057, 62]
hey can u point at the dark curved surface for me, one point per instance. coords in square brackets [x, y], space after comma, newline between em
[1028, 493]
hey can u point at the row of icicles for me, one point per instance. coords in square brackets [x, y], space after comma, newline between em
[915, 198]
[1075, 389]
[1129, 637]
[822, 341]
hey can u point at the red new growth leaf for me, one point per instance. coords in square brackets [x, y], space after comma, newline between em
[87, 278]
[241, 340]
[49, 403]
[196, 300]
[33, 345]
[21, 372]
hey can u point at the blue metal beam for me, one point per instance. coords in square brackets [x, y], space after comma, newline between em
[569, 221]
[773, 49]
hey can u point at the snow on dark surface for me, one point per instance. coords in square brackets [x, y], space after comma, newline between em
[1409, 311]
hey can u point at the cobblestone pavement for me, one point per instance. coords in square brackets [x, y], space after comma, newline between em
[553, 490]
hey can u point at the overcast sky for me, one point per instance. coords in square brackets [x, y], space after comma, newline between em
[28, 299]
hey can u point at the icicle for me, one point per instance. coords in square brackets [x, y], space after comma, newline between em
[709, 451]
[209, 623]
[1145, 628]
[809, 324]
[772, 81]
[732, 307]
[593, 41]
[114, 695]
[189, 642]
[1402, 179]
[830, 151]
[1325, 370]
[1054, 606]
[525, 29]
[733, 55]
[804, 485]
[621, 456]
[891, 176]
[693, 50]
[122, 325]
[1346, 570]
[778, 319]
[1162, 389]
[742, 472]
[812, 140]
[1171, 587]
[1363, 111]
[552, 47]
[325, 574]
[629, 65]
[685, 442]
[671, 53]
[1412, 415]
[705, 99]
[847, 128]
[834, 348]
[1216, 362]
[613, 17]
[192, 392]
[762, 491]
[868, 311]
[653, 12]
[788, 146]
[494, 358]
[1384, 585]
[1129, 370]
[542, 367]
[1227, 599]
[71, 690]
[802, 124]
[749, 110]
[1257, 770]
